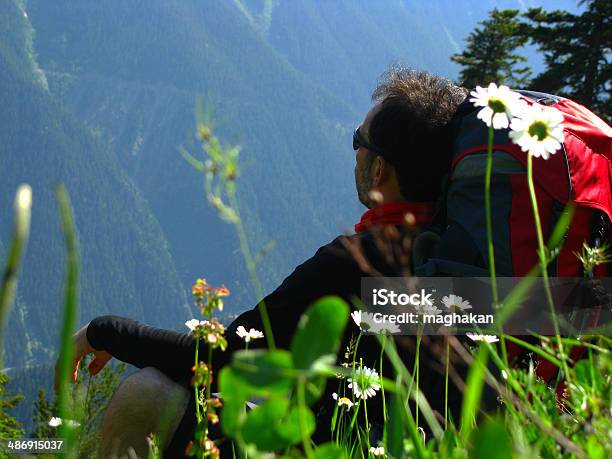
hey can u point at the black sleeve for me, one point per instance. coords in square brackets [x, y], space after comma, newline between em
[142, 345]
[331, 271]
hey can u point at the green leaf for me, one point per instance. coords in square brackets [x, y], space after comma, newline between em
[316, 342]
[474, 386]
[253, 373]
[492, 440]
[274, 426]
[235, 394]
[264, 372]
[314, 389]
[330, 451]
[319, 371]
[290, 429]
[261, 425]
[395, 427]
[319, 331]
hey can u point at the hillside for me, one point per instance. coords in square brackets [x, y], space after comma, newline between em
[99, 95]
[289, 81]
[140, 91]
[125, 260]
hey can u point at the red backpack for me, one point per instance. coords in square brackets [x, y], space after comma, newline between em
[579, 174]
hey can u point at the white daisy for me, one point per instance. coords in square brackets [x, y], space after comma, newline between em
[385, 328]
[194, 323]
[365, 383]
[356, 315]
[499, 104]
[248, 335]
[538, 130]
[378, 451]
[427, 309]
[55, 422]
[456, 301]
[343, 401]
[485, 338]
[364, 320]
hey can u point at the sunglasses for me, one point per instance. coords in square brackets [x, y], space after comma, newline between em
[359, 141]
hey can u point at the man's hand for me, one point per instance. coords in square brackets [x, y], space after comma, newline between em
[83, 348]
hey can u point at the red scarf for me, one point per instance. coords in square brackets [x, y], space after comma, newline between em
[394, 213]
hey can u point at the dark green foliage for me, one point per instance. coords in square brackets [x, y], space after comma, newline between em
[28, 381]
[490, 55]
[578, 53]
[577, 50]
[9, 426]
[99, 391]
[44, 410]
[94, 394]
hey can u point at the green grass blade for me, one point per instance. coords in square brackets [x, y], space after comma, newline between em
[473, 392]
[535, 349]
[8, 288]
[66, 355]
[416, 394]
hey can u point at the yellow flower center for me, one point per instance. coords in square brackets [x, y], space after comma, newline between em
[497, 105]
[538, 129]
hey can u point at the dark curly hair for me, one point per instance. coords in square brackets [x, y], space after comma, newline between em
[411, 128]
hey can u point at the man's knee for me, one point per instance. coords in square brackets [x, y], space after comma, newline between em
[147, 401]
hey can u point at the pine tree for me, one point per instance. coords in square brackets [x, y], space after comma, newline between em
[577, 51]
[10, 428]
[44, 410]
[490, 53]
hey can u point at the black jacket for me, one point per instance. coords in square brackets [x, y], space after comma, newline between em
[335, 269]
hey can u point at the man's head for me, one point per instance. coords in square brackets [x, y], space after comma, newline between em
[407, 146]
[371, 172]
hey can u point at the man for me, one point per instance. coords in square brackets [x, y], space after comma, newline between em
[402, 154]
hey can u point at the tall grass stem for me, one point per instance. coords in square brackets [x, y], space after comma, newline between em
[543, 257]
[71, 311]
[8, 287]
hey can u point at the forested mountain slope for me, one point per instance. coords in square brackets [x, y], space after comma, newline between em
[125, 261]
[289, 80]
[134, 70]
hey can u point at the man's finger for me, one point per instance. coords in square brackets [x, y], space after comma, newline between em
[56, 375]
[75, 370]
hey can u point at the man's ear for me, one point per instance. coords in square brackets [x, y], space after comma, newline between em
[376, 171]
[380, 172]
